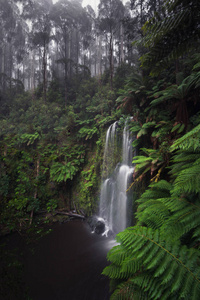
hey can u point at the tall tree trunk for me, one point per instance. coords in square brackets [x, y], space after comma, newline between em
[70, 52]
[77, 47]
[29, 73]
[3, 68]
[11, 65]
[121, 50]
[66, 66]
[95, 64]
[106, 52]
[34, 79]
[44, 63]
[33, 70]
[100, 57]
[111, 60]
[40, 71]
[95, 56]
[141, 13]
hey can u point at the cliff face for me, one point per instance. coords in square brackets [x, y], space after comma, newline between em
[86, 186]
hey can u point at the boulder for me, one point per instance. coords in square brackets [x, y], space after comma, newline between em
[97, 224]
[100, 227]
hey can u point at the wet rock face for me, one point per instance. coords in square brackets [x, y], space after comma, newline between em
[100, 227]
[97, 225]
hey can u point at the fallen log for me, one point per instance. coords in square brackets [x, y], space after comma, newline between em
[70, 214]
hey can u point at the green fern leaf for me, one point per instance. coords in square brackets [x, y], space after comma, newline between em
[128, 291]
[188, 180]
[190, 141]
[169, 259]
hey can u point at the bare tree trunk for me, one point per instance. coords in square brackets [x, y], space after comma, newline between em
[111, 60]
[32, 70]
[27, 73]
[95, 65]
[141, 13]
[3, 68]
[57, 66]
[70, 53]
[40, 69]
[95, 57]
[121, 50]
[23, 73]
[90, 60]
[100, 57]
[11, 65]
[77, 47]
[66, 65]
[44, 63]
[106, 61]
[34, 83]
[65, 83]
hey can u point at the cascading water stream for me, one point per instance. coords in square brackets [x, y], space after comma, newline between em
[116, 177]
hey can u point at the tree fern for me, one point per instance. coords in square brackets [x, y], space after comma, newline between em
[184, 218]
[188, 180]
[169, 37]
[159, 258]
[175, 215]
[128, 291]
[186, 163]
[190, 141]
[60, 172]
[176, 96]
[152, 212]
[157, 261]
[155, 161]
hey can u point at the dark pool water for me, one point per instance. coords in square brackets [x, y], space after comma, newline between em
[66, 264]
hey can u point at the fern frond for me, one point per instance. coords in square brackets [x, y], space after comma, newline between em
[161, 207]
[155, 258]
[188, 180]
[152, 210]
[141, 159]
[182, 162]
[131, 265]
[185, 157]
[154, 214]
[169, 259]
[190, 141]
[185, 216]
[114, 272]
[117, 254]
[160, 189]
[169, 37]
[128, 291]
[196, 234]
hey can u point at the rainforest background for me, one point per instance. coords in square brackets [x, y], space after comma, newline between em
[67, 73]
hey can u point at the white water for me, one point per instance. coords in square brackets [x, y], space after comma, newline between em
[116, 179]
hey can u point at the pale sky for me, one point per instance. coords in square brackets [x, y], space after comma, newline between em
[85, 2]
[93, 3]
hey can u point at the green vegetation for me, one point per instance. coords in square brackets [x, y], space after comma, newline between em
[158, 258]
[51, 137]
[50, 156]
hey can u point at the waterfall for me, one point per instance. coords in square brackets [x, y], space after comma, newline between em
[116, 177]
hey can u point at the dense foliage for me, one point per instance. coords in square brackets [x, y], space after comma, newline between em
[54, 113]
[46, 148]
[52, 132]
[158, 258]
